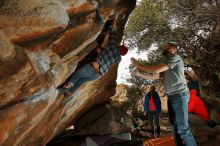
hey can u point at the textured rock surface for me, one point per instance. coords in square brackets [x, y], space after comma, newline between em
[204, 134]
[121, 94]
[104, 120]
[215, 114]
[41, 43]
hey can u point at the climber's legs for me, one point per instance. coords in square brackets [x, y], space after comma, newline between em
[83, 80]
[83, 74]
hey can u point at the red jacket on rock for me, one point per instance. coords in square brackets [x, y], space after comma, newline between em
[196, 106]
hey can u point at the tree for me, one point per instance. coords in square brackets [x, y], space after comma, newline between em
[194, 25]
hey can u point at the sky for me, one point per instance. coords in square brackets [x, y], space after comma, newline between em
[123, 71]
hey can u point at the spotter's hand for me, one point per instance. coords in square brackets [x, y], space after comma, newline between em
[135, 73]
[134, 62]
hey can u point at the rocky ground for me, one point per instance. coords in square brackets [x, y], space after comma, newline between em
[205, 135]
[109, 119]
[143, 133]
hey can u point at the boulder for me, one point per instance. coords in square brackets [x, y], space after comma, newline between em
[104, 120]
[215, 115]
[196, 120]
[41, 44]
[120, 96]
[218, 136]
[211, 142]
[206, 133]
[202, 139]
[95, 140]
[203, 130]
[217, 127]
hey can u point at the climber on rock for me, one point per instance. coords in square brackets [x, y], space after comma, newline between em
[108, 53]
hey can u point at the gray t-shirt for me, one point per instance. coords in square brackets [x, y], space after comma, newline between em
[174, 80]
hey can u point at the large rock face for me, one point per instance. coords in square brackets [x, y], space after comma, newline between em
[41, 43]
[204, 134]
[104, 120]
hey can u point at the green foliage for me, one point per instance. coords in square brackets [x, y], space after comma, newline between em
[194, 25]
[135, 95]
[182, 21]
[147, 18]
[185, 22]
